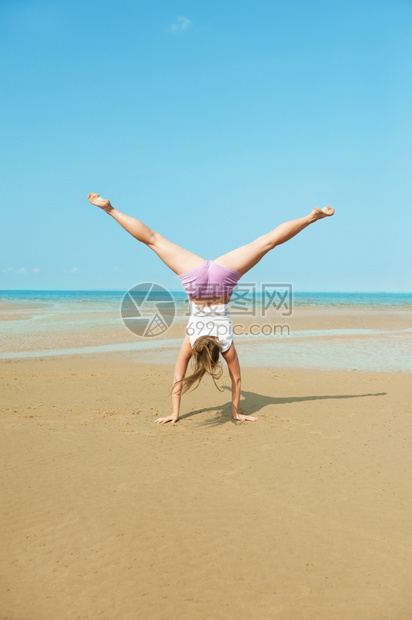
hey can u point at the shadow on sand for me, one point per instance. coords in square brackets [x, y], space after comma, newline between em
[251, 403]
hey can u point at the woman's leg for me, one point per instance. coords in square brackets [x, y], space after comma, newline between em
[244, 258]
[178, 259]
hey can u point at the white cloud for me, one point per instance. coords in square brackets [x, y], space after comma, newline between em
[35, 269]
[180, 25]
[74, 270]
[16, 269]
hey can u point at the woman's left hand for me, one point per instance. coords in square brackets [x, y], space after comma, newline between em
[243, 418]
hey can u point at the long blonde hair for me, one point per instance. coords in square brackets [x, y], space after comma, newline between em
[205, 359]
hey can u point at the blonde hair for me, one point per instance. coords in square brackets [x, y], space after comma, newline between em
[205, 359]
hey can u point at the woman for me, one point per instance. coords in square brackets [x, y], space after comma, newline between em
[209, 285]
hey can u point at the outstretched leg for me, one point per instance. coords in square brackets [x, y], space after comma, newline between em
[178, 259]
[244, 258]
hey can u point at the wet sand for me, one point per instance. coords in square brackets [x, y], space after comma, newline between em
[303, 515]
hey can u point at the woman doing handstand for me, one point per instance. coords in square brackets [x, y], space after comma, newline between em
[209, 285]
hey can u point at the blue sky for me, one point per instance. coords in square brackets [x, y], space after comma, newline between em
[212, 121]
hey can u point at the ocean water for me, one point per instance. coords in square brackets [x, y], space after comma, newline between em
[51, 323]
[106, 299]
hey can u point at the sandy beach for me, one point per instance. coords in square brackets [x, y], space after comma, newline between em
[235, 170]
[304, 514]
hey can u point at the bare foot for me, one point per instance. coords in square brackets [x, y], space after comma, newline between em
[97, 200]
[318, 214]
[244, 418]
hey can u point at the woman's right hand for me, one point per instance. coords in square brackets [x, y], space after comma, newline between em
[169, 418]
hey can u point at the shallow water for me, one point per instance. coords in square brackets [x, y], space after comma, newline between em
[51, 323]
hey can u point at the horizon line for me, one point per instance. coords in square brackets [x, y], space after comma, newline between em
[123, 290]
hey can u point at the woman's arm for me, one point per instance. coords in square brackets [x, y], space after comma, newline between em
[233, 365]
[183, 358]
